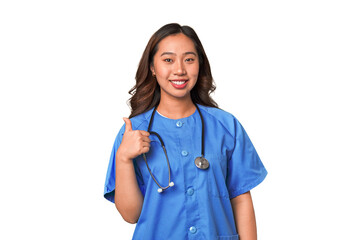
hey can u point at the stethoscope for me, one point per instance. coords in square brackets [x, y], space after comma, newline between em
[200, 162]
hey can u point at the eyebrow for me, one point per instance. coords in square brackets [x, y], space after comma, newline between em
[171, 53]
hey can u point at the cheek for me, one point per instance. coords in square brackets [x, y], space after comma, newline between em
[194, 70]
[161, 74]
[161, 71]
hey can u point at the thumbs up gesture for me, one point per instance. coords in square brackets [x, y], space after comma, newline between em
[134, 143]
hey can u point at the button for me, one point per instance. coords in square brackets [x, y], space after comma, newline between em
[184, 153]
[192, 229]
[179, 124]
[190, 191]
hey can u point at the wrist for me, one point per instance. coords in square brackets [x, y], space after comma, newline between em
[123, 160]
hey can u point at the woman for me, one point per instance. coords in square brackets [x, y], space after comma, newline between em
[182, 168]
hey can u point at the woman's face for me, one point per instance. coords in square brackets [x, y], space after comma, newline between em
[176, 66]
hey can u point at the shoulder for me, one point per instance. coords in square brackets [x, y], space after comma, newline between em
[220, 116]
[140, 121]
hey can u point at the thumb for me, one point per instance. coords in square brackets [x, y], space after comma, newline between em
[128, 126]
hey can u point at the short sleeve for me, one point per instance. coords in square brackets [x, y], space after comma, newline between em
[245, 169]
[109, 188]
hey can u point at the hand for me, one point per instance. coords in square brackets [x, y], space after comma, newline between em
[133, 143]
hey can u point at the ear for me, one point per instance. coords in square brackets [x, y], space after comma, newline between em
[152, 69]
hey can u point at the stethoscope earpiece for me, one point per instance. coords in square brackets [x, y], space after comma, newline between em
[161, 189]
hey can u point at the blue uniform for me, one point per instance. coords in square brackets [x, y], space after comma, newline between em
[198, 205]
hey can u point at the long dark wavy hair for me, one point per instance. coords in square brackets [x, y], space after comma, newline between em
[146, 92]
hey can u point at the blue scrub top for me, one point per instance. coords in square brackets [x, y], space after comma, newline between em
[198, 205]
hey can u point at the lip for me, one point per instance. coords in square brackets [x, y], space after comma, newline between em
[179, 86]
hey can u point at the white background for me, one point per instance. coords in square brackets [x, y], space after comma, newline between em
[288, 70]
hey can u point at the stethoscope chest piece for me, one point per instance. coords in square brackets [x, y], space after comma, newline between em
[202, 163]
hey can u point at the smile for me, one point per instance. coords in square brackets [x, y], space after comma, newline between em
[179, 83]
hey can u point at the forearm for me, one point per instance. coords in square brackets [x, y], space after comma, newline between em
[244, 216]
[128, 197]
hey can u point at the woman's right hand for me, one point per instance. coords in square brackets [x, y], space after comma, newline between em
[134, 143]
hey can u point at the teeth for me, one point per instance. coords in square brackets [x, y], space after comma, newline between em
[178, 82]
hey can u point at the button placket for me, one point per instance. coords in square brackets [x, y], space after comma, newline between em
[185, 130]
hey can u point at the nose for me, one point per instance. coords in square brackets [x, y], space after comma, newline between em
[179, 68]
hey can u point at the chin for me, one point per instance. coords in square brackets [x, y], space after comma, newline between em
[176, 93]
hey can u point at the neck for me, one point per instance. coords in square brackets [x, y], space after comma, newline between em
[176, 108]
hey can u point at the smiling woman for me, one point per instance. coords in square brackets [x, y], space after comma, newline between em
[182, 168]
[183, 55]
[176, 68]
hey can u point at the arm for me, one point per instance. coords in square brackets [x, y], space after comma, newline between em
[128, 197]
[244, 216]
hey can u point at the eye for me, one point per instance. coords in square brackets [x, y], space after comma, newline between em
[189, 60]
[168, 60]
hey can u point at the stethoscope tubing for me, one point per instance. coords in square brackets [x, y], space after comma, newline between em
[170, 184]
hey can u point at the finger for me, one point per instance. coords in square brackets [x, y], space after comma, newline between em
[128, 126]
[146, 139]
[144, 133]
[146, 144]
[145, 149]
